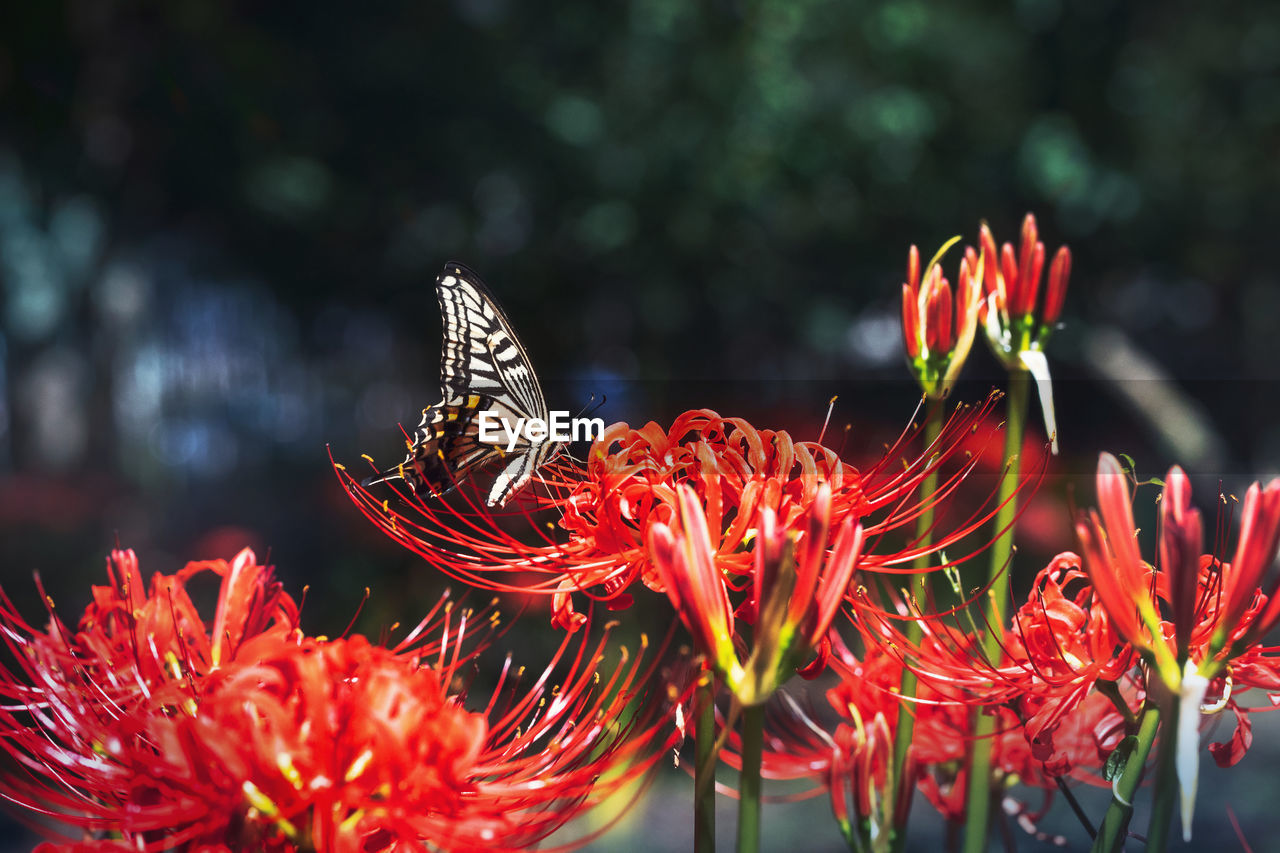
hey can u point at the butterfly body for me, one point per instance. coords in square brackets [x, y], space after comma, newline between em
[485, 373]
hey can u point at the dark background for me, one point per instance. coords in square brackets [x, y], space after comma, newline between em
[220, 222]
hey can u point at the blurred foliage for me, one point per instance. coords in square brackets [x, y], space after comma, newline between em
[722, 185]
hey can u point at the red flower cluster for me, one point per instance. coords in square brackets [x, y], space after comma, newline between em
[1075, 664]
[795, 594]
[937, 327]
[1059, 645]
[851, 760]
[598, 544]
[150, 725]
[1192, 614]
[1012, 286]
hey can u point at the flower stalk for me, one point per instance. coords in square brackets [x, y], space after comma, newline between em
[1115, 824]
[907, 687]
[978, 807]
[704, 768]
[749, 784]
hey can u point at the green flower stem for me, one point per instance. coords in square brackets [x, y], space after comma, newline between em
[907, 687]
[978, 798]
[1115, 824]
[704, 768]
[978, 804]
[1165, 797]
[749, 785]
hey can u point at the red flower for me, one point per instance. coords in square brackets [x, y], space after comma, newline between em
[147, 724]
[1217, 611]
[937, 333]
[598, 542]
[1196, 619]
[794, 598]
[1012, 287]
[1059, 645]
[1086, 736]
[1016, 334]
[851, 759]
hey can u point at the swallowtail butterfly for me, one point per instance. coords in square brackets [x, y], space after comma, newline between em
[483, 368]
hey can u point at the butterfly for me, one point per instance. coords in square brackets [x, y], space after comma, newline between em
[483, 369]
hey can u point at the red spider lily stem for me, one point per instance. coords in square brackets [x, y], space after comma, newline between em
[704, 768]
[907, 686]
[1115, 823]
[749, 785]
[1164, 799]
[978, 805]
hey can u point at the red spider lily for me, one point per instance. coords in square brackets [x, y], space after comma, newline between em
[599, 541]
[1016, 334]
[1218, 612]
[147, 725]
[1086, 737]
[937, 333]
[1013, 285]
[851, 760]
[1059, 645]
[794, 598]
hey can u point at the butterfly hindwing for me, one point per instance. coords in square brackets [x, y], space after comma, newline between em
[446, 446]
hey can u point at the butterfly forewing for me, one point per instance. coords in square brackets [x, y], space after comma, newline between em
[480, 353]
[483, 369]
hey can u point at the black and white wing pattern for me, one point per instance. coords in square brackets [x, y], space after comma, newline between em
[483, 369]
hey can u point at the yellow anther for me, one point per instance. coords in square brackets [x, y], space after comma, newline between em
[357, 767]
[284, 762]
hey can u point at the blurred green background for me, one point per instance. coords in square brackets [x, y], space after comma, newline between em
[220, 222]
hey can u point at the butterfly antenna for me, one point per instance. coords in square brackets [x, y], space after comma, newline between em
[831, 405]
[551, 497]
[592, 406]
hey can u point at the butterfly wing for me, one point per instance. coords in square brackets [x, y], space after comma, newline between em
[480, 353]
[483, 368]
[445, 447]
